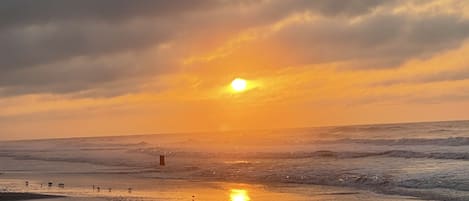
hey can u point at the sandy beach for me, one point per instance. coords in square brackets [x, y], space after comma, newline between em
[175, 190]
[11, 196]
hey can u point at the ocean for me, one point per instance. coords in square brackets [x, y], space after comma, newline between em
[408, 161]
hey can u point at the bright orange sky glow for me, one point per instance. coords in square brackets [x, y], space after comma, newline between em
[305, 65]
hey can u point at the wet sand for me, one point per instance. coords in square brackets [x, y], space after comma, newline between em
[78, 188]
[12, 196]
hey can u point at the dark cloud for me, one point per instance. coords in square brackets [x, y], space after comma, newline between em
[450, 75]
[344, 8]
[267, 12]
[374, 41]
[28, 12]
[41, 42]
[31, 46]
[87, 73]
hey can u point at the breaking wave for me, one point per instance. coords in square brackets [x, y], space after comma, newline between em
[451, 141]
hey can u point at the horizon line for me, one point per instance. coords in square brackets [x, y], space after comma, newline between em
[233, 130]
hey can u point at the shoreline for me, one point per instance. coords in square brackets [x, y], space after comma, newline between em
[209, 190]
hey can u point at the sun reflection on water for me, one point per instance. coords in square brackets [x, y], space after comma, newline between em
[239, 195]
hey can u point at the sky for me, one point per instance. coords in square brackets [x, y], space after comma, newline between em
[120, 67]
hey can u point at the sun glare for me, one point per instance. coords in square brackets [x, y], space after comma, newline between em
[238, 84]
[239, 195]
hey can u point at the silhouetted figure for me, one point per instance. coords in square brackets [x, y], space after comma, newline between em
[162, 162]
[61, 185]
[110, 189]
[193, 198]
[130, 190]
[49, 184]
[26, 183]
[99, 189]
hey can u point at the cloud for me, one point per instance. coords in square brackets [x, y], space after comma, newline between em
[67, 46]
[448, 66]
[28, 12]
[35, 45]
[117, 73]
[371, 41]
[112, 47]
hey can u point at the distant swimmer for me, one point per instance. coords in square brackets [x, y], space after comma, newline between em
[162, 160]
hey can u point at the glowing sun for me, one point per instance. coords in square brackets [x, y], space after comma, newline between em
[239, 195]
[239, 84]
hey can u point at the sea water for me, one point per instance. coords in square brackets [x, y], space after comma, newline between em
[365, 162]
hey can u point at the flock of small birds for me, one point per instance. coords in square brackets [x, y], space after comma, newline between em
[49, 184]
[95, 188]
[98, 189]
[62, 185]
